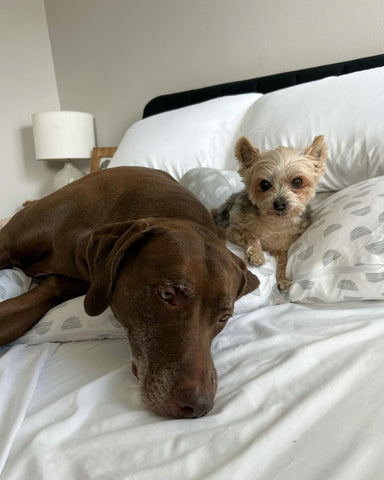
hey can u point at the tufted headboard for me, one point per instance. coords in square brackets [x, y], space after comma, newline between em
[262, 85]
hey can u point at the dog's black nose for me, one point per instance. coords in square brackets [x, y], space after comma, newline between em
[193, 403]
[280, 204]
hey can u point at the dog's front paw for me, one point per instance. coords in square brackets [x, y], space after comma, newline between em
[283, 284]
[255, 256]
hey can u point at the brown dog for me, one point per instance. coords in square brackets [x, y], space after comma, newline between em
[134, 239]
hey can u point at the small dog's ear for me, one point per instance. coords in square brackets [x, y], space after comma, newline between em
[319, 151]
[246, 153]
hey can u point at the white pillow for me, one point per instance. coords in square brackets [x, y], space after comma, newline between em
[348, 110]
[340, 257]
[201, 135]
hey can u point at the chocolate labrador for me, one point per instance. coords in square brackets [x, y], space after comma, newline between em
[133, 239]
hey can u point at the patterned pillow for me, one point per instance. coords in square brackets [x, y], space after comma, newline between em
[341, 255]
[13, 282]
[68, 322]
[211, 185]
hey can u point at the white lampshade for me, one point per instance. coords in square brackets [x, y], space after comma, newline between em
[63, 135]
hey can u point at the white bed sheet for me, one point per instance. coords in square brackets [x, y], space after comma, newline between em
[301, 394]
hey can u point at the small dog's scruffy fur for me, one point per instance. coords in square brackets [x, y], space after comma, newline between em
[272, 211]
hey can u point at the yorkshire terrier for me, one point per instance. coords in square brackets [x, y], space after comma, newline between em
[272, 211]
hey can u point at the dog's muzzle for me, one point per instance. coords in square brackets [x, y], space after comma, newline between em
[186, 399]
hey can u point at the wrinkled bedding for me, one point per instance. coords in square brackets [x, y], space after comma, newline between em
[300, 395]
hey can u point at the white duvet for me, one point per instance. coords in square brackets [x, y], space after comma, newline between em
[301, 394]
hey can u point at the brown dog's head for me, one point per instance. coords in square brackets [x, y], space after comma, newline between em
[173, 288]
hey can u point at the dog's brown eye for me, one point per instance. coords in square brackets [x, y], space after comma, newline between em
[166, 295]
[265, 185]
[225, 318]
[297, 182]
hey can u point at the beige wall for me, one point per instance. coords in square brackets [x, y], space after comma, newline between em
[112, 56]
[27, 85]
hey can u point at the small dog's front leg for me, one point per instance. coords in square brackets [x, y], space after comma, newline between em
[283, 282]
[250, 242]
[254, 253]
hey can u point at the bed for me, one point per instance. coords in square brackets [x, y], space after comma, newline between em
[300, 375]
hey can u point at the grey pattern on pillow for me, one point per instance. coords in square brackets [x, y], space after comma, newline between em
[211, 185]
[340, 257]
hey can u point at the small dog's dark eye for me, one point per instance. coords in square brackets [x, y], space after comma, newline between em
[225, 318]
[165, 295]
[297, 182]
[265, 185]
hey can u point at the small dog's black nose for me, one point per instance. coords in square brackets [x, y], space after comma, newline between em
[280, 204]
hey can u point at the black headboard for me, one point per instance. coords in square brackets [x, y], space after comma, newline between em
[266, 84]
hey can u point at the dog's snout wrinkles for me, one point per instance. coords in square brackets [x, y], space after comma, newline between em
[280, 204]
[193, 403]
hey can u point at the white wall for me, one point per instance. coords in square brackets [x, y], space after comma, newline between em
[112, 56]
[27, 85]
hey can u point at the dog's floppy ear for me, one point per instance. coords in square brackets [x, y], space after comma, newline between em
[248, 281]
[246, 153]
[106, 249]
[319, 152]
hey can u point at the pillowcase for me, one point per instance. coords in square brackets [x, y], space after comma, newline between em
[201, 135]
[65, 322]
[13, 282]
[68, 322]
[211, 185]
[340, 257]
[348, 110]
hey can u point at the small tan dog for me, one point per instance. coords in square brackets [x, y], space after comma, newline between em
[272, 211]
